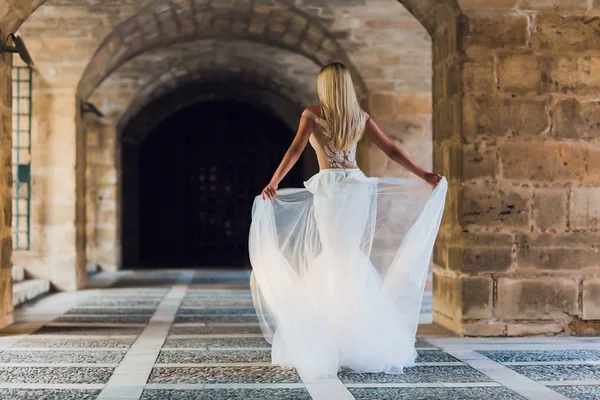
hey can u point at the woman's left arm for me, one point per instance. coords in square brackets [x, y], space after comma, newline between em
[291, 157]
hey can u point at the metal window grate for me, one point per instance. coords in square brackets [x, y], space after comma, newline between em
[21, 156]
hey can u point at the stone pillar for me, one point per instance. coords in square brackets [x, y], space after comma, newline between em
[58, 190]
[6, 295]
[523, 253]
[103, 245]
[447, 160]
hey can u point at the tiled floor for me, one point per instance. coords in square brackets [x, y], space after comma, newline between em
[194, 335]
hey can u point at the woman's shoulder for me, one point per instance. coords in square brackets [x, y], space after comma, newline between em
[313, 111]
[316, 110]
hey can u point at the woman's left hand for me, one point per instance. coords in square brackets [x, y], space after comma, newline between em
[269, 191]
[432, 178]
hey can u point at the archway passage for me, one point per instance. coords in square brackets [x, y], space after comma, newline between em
[199, 171]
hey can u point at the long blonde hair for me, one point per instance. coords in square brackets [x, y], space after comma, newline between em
[345, 119]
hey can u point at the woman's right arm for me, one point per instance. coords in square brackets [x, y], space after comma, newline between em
[381, 140]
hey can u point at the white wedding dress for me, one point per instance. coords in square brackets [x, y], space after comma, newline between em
[339, 267]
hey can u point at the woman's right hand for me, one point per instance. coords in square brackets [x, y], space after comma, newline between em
[432, 178]
[269, 191]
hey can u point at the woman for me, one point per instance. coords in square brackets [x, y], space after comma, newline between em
[339, 267]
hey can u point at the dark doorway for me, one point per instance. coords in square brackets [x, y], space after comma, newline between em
[199, 172]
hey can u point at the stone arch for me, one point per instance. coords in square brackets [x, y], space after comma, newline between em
[16, 12]
[275, 23]
[219, 74]
[239, 86]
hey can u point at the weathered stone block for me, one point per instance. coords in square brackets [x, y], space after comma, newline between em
[5, 253]
[494, 29]
[479, 161]
[478, 328]
[556, 253]
[567, 5]
[472, 259]
[446, 119]
[447, 158]
[476, 298]
[576, 120]
[584, 208]
[533, 329]
[520, 74]
[419, 104]
[475, 4]
[483, 115]
[537, 298]
[568, 240]
[444, 42]
[550, 209]
[572, 75]
[591, 299]
[440, 254]
[567, 33]
[6, 306]
[478, 76]
[446, 294]
[383, 104]
[487, 206]
[549, 74]
[544, 161]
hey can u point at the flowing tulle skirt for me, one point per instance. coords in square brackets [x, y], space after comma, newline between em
[339, 270]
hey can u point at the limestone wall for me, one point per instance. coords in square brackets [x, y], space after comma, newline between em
[527, 258]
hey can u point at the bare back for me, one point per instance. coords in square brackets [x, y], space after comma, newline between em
[328, 155]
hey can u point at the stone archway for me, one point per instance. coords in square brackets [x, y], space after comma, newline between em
[133, 220]
[219, 66]
[277, 24]
[214, 71]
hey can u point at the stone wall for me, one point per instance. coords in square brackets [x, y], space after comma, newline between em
[6, 305]
[527, 255]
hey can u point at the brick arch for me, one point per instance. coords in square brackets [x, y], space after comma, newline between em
[275, 23]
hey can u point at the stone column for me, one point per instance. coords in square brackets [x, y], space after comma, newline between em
[58, 190]
[523, 255]
[103, 244]
[448, 160]
[6, 295]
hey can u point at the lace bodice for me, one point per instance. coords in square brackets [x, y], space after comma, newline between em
[328, 154]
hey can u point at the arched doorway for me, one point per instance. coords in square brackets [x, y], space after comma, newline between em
[199, 171]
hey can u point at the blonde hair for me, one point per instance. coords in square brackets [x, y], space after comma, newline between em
[345, 119]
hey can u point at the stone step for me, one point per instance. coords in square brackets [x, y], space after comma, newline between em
[92, 269]
[18, 273]
[29, 289]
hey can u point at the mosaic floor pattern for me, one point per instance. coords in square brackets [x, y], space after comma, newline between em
[193, 334]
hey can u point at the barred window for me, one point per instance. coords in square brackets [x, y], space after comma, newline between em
[21, 156]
